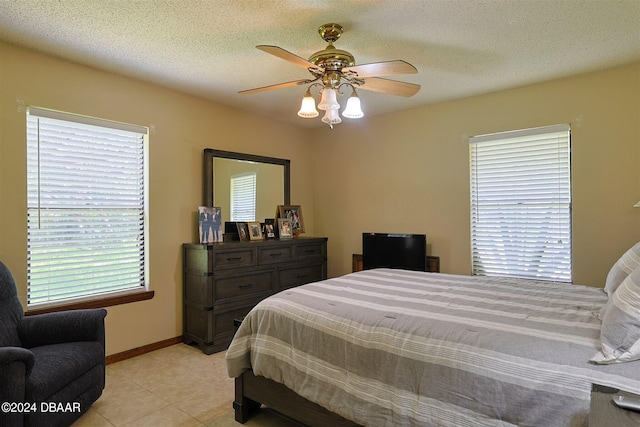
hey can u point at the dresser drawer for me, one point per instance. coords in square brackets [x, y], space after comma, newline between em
[246, 284]
[224, 321]
[296, 276]
[198, 289]
[211, 326]
[244, 257]
[310, 250]
[274, 254]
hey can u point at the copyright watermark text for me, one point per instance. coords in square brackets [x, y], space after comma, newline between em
[33, 407]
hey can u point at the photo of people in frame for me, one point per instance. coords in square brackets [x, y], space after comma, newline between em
[284, 228]
[255, 231]
[209, 224]
[243, 230]
[294, 213]
[269, 229]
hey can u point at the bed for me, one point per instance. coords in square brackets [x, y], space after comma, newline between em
[388, 347]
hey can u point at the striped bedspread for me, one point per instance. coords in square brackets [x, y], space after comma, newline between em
[403, 348]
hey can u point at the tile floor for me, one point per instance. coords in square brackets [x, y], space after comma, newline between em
[174, 386]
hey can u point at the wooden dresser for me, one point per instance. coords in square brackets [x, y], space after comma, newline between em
[223, 281]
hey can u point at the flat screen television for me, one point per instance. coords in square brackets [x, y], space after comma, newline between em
[389, 250]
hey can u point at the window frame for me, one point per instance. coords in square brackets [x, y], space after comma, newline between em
[553, 258]
[116, 297]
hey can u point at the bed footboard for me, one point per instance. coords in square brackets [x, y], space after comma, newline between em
[252, 391]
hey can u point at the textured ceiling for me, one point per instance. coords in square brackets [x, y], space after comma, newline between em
[207, 47]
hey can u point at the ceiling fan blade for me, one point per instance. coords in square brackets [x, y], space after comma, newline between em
[391, 87]
[385, 68]
[276, 86]
[287, 56]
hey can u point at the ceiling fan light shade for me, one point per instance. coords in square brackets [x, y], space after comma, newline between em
[308, 107]
[329, 100]
[353, 110]
[331, 117]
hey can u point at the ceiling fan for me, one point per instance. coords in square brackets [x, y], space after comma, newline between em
[333, 68]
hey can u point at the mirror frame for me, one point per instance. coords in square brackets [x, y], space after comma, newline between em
[208, 181]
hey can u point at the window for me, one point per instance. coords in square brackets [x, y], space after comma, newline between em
[521, 204]
[243, 197]
[86, 207]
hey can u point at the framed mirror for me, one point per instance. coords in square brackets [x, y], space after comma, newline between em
[272, 180]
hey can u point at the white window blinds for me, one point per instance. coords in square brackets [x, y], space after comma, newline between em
[521, 204]
[243, 197]
[86, 207]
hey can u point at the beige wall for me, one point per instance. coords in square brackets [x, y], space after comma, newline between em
[182, 126]
[406, 172]
[409, 172]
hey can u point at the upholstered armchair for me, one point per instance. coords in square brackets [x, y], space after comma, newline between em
[52, 366]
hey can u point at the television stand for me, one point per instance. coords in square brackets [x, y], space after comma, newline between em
[433, 263]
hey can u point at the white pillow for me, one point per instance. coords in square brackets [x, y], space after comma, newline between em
[622, 268]
[620, 332]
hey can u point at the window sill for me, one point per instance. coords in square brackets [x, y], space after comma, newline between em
[96, 303]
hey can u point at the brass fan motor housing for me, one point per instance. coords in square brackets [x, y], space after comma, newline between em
[330, 58]
[333, 68]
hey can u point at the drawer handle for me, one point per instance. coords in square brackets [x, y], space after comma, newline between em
[233, 259]
[247, 286]
[302, 276]
[276, 254]
[310, 251]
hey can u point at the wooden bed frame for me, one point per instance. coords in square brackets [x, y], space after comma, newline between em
[252, 391]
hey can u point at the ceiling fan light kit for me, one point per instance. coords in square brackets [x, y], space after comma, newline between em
[331, 117]
[353, 110]
[329, 99]
[332, 69]
[308, 106]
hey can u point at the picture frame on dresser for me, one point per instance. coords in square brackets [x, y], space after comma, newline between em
[255, 231]
[270, 231]
[284, 228]
[209, 224]
[243, 231]
[294, 213]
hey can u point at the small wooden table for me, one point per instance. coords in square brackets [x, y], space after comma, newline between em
[605, 413]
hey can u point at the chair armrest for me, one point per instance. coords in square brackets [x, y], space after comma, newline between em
[16, 364]
[62, 326]
[10, 355]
